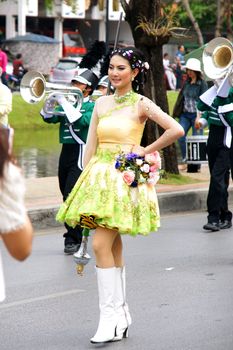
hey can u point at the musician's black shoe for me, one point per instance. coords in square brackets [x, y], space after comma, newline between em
[71, 248]
[212, 226]
[225, 224]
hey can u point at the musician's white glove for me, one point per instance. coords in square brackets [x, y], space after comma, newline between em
[72, 113]
[60, 99]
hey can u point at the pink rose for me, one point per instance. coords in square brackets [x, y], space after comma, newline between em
[153, 168]
[153, 159]
[128, 177]
[153, 179]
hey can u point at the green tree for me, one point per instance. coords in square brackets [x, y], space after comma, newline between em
[214, 16]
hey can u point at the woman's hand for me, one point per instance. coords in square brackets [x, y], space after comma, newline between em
[139, 150]
[197, 123]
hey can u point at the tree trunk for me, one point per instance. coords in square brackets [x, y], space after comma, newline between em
[229, 19]
[194, 22]
[220, 16]
[155, 89]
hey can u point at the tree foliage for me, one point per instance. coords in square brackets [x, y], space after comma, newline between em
[205, 13]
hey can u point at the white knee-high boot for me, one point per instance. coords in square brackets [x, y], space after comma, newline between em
[108, 320]
[122, 310]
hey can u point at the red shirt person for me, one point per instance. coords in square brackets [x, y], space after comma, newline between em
[17, 63]
[3, 64]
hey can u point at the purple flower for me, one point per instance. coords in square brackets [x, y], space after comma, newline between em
[118, 164]
[131, 156]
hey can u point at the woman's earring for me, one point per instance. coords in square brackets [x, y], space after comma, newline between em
[132, 79]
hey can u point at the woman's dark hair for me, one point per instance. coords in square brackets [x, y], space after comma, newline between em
[199, 75]
[136, 59]
[4, 148]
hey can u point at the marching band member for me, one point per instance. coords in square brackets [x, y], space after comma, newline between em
[102, 88]
[73, 133]
[219, 215]
[216, 105]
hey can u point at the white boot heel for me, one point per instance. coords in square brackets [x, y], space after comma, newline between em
[121, 307]
[108, 319]
[121, 334]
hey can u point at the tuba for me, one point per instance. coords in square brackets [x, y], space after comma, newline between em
[33, 89]
[217, 58]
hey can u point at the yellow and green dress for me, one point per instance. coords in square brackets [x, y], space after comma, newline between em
[100, 191]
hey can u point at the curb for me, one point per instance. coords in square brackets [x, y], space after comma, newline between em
[174, 202]
[169, 202]
[44, 217]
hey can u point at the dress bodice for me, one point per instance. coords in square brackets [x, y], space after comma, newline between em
[120, 125]
[119, 130]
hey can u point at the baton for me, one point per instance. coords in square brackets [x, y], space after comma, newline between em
[115, 44]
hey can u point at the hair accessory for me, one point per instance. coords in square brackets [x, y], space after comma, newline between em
[133, 59]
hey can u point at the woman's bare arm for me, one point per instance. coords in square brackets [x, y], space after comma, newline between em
[19, 241]
[172, 129]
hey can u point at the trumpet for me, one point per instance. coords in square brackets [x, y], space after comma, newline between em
[33, 89]
[217, 58]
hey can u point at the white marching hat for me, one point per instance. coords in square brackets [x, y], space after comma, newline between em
[103, 81]
[85, 76]
[193, 64]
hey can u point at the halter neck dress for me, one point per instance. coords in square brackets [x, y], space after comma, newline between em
[100, 191]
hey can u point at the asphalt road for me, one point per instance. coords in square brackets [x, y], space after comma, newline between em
[179, 289]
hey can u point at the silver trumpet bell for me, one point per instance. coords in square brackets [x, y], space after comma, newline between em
[217, 58]
[34, 87]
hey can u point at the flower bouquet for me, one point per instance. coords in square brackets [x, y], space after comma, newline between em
[138, 170]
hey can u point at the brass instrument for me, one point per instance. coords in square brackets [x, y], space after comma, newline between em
[34, 87]
[217, 58]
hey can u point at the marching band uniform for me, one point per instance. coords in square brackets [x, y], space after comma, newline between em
[220, 160]
[72, 136]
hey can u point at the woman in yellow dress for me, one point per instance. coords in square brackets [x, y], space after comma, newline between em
[109, 195]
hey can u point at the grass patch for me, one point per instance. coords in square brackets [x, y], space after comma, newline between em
[171, 96]
[176, 179]
[25, 115]
[46, 140]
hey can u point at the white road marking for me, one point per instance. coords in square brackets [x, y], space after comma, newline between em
[44, 297]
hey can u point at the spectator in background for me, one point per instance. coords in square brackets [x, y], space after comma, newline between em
[3, 65]
[168, 70]
[192, 89]
[180, 66]
[180, 54]
[18, 64]
[179, 73]
[15, 226]
[5, 102]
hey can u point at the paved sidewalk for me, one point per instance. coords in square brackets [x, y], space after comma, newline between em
[43, 197]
